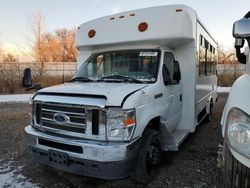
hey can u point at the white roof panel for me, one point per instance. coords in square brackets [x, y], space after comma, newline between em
[171, 25]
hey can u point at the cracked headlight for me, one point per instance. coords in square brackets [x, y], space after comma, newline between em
[120, 124]
[238, 131]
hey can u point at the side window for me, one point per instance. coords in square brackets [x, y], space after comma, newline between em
[169, 64]
[207, 59]
[202, 56]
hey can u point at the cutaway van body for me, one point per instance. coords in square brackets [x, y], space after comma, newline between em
[146, 78]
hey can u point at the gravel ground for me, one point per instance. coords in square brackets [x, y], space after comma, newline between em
[194, 165]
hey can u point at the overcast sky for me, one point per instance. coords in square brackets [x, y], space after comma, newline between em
[217, 15]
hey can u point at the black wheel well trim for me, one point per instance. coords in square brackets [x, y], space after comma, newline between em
[154, 123]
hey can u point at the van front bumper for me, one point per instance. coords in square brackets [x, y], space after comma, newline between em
[107, 160]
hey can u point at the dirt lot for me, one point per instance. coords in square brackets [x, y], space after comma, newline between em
[194, 165]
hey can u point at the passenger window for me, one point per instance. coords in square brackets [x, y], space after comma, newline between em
[169, 64]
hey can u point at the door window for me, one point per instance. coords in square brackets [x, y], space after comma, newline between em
[169, 64]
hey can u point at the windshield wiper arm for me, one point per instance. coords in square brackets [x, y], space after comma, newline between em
[119, 77]
[81, 79]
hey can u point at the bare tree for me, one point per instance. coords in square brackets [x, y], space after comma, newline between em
[1, 51]
[52, 48]
[10, 72]
[36, 30]
[66, 39]
[226, 56]
[35, 39]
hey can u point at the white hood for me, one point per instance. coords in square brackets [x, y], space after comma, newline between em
[114, 92]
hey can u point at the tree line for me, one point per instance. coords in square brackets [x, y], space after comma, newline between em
[50, 47]
[45, 46]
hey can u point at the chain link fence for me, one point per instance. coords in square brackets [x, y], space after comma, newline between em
[46, 74]
[228, 73]
[52, 73]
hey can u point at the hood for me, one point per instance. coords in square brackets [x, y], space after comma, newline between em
[113, 92]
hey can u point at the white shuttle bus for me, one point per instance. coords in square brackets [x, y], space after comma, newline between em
[146, 78]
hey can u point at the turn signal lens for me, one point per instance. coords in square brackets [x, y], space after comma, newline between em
[142, 26]
[91, 33]
[129, 122]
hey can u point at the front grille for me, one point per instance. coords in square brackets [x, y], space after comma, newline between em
[45, 113]
[75, 120]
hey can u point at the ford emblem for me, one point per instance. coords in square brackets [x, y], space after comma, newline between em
[61, 118]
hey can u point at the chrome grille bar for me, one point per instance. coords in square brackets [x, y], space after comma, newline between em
[76, 125]
[58, 111]
[76, 122]
[79, 121]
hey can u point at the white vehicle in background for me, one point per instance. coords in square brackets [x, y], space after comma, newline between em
[236, 116]
[146, 78]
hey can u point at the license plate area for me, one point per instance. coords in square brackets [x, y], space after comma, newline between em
[58, 157]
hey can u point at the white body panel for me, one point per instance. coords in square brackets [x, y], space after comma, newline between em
[206, 85]
[125, 30]
[114, 93]
[238, 98]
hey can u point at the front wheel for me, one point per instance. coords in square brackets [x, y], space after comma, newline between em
[235, 174]
[148, 158]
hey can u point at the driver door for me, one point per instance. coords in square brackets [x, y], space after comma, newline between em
[173, 89]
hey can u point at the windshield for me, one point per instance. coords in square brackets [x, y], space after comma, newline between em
[129, 65]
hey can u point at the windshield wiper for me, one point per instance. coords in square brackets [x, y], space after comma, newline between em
[81, 79]
[119, 77]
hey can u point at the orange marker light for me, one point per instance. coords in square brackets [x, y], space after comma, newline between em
[132, 14]
[91, 33]
[142, 26]
[129, 122]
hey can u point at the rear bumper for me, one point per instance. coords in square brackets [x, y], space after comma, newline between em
[105, 160]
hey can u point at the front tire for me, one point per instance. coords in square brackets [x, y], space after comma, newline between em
[148, 158]
[235, 174]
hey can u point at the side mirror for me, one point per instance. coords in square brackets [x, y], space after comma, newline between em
[177, 72]
[241, 28]
[239, 43]
[166, 75]
[27, 79]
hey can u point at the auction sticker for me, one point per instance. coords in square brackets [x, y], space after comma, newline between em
[148, 54]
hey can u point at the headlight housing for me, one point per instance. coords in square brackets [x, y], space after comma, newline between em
[120, 124]
[238, 131]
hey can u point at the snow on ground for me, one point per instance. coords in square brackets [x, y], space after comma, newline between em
[15, 98]
[11, 176]
[223, 89]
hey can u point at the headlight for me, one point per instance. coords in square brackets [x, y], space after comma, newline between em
[120, 124]
[238, 131]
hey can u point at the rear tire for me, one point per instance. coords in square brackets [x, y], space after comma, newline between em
[148, 158]
[235, 174]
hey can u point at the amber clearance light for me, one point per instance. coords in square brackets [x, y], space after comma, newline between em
[91, 33]
[129, 122]
[142, 26]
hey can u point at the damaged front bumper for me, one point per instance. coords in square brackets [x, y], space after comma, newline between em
[107, 160]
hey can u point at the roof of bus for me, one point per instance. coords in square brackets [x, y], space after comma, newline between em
[171, 25]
